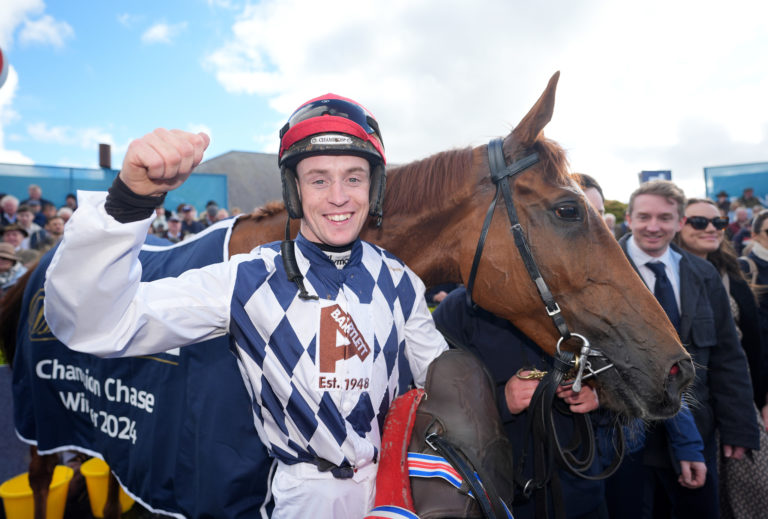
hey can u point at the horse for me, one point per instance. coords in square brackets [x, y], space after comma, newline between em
[557, 269]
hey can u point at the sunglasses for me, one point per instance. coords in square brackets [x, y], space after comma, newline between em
[700, 222]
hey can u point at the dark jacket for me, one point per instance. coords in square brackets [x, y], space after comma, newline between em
[762, 282]
[752, 337]
[722, 391]
[504, 349]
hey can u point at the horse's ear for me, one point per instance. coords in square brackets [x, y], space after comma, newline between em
[528, 130]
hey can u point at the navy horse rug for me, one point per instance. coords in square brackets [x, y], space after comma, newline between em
[176, 428]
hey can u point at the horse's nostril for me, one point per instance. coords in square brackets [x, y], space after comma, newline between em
[674, 370]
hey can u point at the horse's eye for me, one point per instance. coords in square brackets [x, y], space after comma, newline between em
[567, 212]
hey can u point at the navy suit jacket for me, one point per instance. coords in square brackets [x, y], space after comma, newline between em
[722, 390]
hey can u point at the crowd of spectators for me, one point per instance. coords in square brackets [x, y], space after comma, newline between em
[31, 227]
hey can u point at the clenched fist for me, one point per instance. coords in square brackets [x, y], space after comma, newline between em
[162, 160]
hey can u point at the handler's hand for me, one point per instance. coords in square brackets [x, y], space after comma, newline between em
[582, 402]
[693, 474]
[162, 160]
[519, 392]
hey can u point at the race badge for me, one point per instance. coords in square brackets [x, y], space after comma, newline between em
[340, 340]
[331, 139]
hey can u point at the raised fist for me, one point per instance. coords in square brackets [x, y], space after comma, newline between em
[162, 160]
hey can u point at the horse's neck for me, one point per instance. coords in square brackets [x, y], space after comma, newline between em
[422, 247]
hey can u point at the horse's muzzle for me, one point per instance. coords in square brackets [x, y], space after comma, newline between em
[679, 377]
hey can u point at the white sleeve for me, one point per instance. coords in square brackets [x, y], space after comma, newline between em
[423, 343]
[95, 302]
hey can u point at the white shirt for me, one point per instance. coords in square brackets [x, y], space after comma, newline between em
[670, 259]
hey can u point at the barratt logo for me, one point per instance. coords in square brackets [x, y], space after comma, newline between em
[339, 339]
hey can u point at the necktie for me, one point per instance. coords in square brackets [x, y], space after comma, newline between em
[664, 293]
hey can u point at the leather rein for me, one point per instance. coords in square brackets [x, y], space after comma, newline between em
[540, 423]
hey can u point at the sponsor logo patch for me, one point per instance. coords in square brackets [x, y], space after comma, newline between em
[332, 139]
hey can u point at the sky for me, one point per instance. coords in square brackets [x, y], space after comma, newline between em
[644, 85]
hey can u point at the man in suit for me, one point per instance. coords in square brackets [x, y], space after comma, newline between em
[698, 307]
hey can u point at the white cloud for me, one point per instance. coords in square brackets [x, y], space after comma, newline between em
[7, 115]
[128, 20]
[12, 14]
[439, 75]
[46, 31]
[85, 138]
[163, 32]
[199, 127]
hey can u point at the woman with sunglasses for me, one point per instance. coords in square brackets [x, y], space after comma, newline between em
[742, 485]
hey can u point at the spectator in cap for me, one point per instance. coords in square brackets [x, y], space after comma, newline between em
[748, 199]
[174, 234]
[211, 210]
[11, 268]
[14, 234]
[37, 209]
[188, 223]
[723, 203]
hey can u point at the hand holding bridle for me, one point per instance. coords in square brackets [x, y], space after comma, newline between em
[162, 160]
[519, 391]
[582, 402]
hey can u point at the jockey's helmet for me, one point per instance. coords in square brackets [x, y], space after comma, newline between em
[331, 125]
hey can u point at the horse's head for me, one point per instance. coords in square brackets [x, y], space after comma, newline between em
[600, 295]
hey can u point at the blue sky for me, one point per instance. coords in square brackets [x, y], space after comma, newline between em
[657, 85]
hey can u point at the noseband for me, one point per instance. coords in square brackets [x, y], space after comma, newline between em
[500, 171]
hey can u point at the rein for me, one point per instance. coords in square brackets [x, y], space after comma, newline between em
[540, 424]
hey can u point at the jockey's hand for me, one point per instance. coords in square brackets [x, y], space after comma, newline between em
[162, 160]
[735, 452]
[582, 402]
[693, 474]
[519, 392]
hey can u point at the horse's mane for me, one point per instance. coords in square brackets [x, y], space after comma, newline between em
[554, 161]
[269, 209]
[430, 182]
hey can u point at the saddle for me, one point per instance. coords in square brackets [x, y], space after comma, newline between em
[454, 419]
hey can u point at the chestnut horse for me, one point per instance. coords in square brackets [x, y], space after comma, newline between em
[434, 212]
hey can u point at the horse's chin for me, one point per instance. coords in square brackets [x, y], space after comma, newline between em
[635, 397]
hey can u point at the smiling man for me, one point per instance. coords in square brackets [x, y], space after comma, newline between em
[667, 474]
[319, 352]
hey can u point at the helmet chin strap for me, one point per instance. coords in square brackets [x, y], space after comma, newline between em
[288, 252]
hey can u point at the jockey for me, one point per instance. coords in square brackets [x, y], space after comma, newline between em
[319, 326]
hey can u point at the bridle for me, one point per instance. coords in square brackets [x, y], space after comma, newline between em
[540, 425]
[500, 171]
